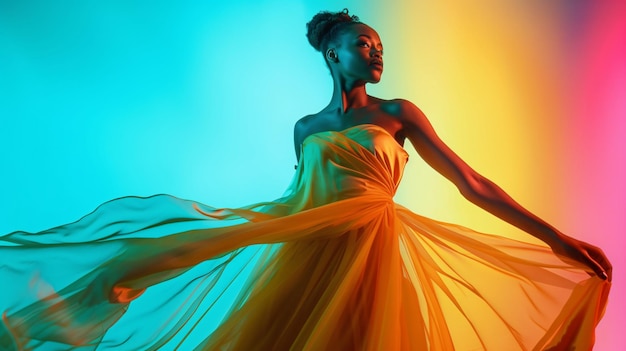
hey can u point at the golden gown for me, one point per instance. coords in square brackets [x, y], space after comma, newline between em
[334, 264]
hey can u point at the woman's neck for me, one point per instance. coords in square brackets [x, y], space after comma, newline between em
[348, 96]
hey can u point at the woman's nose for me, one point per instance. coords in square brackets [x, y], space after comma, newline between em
[377, 53]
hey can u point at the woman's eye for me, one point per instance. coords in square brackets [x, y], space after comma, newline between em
[363, 44]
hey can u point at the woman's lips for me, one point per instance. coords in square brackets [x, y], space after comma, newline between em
[377, 65]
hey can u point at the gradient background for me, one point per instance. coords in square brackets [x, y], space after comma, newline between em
[198, 100]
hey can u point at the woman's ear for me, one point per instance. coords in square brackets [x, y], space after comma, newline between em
[331, 55]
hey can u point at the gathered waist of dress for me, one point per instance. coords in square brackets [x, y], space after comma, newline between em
[359, 187]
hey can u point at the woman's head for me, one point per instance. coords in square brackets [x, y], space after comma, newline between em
[351, 48]
[325, 26]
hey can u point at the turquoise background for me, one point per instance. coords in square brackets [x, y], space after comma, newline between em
[196, 99]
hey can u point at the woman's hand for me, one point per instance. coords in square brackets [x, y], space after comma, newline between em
[585, 253]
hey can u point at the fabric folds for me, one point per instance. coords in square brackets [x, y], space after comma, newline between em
[333, 264]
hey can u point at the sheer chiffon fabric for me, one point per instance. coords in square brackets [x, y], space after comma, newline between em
[335, 264]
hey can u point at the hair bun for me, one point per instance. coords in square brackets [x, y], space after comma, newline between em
[322, 24]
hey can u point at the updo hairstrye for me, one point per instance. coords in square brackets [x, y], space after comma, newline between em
[325, 25]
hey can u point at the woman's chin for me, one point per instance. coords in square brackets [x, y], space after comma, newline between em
[375, 77]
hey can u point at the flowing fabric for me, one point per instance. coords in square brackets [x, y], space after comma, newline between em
[334, 264]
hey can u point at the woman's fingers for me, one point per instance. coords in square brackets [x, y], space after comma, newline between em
[589, 255]
[602, 261]
[587, 260]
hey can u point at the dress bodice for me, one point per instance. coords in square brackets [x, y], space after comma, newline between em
[361, 160]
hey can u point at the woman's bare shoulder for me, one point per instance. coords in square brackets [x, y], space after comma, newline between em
[305, 121]
[313, 123]
[303, 125]
[306, 126]
[396, 107]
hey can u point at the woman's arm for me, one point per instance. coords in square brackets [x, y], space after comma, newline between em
[299, 133]
[487, 195]
[298, 136]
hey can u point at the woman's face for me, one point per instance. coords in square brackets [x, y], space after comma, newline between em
[359, 54]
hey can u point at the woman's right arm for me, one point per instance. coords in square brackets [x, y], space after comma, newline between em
[489, 196]
[299, 133]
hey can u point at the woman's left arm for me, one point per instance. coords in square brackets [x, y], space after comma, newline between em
[487, 195]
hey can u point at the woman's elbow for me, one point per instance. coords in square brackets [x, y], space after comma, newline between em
[473, 186]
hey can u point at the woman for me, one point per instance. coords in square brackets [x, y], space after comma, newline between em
[334, 264]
